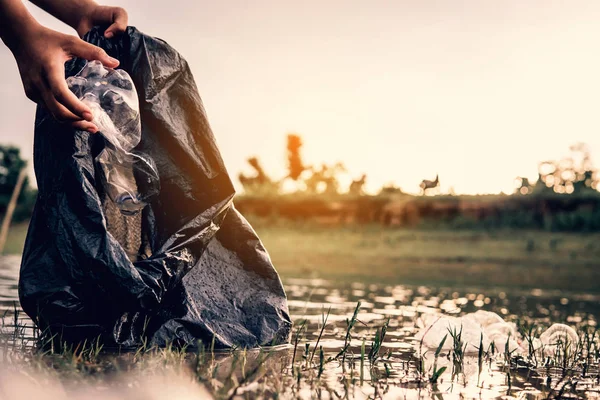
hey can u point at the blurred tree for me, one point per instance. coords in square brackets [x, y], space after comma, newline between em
[546, 177]
[260, 183]
[324, 180]
[11, 164]
[390, 188]
[523, 186]
[572, 174]
[295, 164]
[583, 171]
[357, 186]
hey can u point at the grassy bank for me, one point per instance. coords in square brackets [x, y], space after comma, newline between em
[372, 253]
[525, 259]
[16, 238]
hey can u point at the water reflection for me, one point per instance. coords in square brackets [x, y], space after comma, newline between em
[400, 371]
[9, 272]
[403, 305]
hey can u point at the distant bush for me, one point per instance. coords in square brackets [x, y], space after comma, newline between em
[550, 212]
[11, 165]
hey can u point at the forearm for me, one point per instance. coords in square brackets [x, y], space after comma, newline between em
[71, 12]
[15, 21]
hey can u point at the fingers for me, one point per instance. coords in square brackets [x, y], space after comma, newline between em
[42, 71]
[62, 114]
[119, 20]
[40, 91]
[79, 48]
[84, 126]
[61, 93]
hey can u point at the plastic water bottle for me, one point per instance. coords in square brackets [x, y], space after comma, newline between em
[129, 178]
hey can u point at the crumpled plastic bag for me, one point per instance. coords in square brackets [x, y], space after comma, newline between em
[200, 273]
[129, 178]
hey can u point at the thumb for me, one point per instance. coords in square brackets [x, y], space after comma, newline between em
[119, 19]
[90, 52]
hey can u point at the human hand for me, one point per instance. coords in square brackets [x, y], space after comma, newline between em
[115, 17]
[41, 54]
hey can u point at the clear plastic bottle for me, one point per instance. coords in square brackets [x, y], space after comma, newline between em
[129, 177]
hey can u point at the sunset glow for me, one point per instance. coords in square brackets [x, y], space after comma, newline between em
[477, 91]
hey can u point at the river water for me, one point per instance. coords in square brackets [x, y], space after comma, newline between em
[403, 371]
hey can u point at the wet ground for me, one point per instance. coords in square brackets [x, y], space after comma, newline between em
[398, 370]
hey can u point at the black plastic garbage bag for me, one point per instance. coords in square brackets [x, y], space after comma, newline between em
[202, 275]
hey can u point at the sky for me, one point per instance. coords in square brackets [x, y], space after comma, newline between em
[478, 91]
